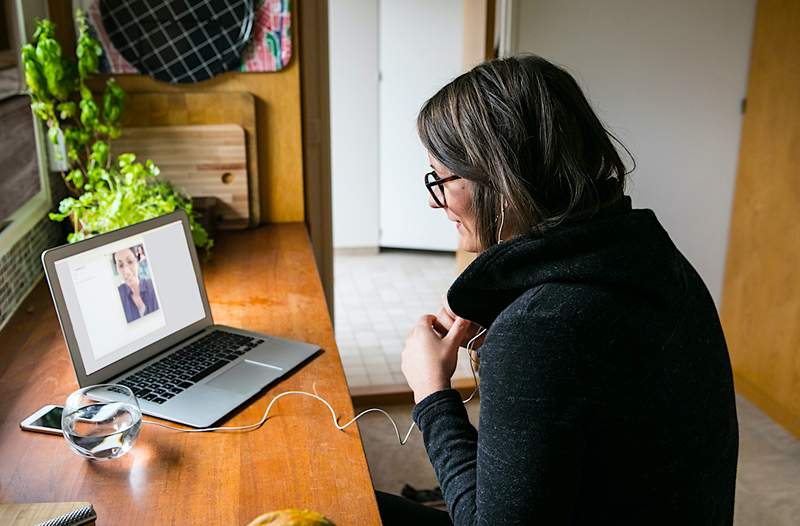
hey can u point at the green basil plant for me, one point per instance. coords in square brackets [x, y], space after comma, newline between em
[106, 193]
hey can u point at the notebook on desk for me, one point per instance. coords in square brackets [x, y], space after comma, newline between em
[134, 311]
[48, 514]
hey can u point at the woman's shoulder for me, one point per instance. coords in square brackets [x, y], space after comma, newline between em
[546, 335]
[576, 303]
[567, 319]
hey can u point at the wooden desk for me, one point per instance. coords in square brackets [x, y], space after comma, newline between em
[265, 280]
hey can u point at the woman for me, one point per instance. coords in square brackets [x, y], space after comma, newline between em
[137, 293]
[606, 388]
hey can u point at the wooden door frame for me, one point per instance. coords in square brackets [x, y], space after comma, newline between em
[316, 122]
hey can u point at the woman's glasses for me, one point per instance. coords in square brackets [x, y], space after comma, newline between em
[435, 186]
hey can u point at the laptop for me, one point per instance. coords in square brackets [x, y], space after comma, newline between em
[134, 311]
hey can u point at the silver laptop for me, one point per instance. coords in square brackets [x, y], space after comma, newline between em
[134, 311]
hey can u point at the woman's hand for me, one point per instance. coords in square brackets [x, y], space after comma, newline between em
[429, 358]
[444, 320]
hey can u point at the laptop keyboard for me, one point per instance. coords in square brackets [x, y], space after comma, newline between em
[162, 380]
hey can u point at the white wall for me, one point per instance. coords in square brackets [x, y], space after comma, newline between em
[421, 49]
[353, 48]
[668, 79]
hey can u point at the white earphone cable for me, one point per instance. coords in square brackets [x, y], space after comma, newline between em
[502, 220]
[316, 396]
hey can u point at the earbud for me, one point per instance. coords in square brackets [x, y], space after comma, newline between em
[503, 206]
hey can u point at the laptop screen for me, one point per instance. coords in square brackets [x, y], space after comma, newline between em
[130, 293]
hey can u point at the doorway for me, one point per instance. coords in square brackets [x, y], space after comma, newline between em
[420, 50]
[393, 255]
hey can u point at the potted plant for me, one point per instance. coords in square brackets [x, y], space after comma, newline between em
[106, 191]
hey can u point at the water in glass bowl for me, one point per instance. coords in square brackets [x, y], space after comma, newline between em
[102, 431]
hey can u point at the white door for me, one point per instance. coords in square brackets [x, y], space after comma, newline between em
[420, 50]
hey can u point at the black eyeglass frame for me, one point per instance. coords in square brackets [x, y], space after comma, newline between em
[438, 181]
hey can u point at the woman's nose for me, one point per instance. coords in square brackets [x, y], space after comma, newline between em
[432, 203]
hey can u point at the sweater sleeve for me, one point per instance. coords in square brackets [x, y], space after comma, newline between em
[451, 442]
[524, 465]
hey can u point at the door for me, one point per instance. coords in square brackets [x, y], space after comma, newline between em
[420, 50]
[761, 296]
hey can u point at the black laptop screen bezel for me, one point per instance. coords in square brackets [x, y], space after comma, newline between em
[52, 256]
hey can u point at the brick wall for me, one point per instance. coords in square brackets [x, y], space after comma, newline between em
[21, 267]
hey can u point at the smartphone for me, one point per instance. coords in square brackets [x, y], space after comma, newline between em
[45, 420]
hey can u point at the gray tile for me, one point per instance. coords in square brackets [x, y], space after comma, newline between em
[352, 361]
[366, 338]
[382, 379]
[768, 478]
[349, 350]
[392, 350]
[375, 358]
[379, 297]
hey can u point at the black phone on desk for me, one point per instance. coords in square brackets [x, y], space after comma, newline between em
[45, 420]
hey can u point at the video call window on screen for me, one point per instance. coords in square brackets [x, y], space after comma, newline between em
[134, 282]
[130, 293]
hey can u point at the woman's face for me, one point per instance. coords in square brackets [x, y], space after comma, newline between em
[127, 266]
[458, 196]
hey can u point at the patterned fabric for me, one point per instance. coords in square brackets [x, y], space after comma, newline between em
[180, 41]
[270, 46]
[111, 61]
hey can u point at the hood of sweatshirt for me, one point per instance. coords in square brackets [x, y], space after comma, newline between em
[618, 247]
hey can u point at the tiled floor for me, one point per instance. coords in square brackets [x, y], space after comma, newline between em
[377, 299]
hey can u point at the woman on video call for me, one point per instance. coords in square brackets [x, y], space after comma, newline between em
[606, 393]
[137, 293]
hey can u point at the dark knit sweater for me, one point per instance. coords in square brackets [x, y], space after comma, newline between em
[606, 388]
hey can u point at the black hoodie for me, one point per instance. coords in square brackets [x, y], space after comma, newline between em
[606, 388]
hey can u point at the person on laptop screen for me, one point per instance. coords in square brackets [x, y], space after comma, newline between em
[136, 290]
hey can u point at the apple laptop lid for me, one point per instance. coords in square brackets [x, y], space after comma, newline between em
[107, 328]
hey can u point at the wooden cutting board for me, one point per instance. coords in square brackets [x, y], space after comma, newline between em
[202, 107]
[203, 160]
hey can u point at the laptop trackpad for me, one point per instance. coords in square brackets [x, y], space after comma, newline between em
[244, 378]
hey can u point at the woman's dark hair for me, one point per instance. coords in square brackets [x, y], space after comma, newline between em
[135, 250]
[521, 129]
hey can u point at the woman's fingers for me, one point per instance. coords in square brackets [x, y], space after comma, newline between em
[444, 319]
[426, 320]
[447, 309]
[458, 331]
[440, 329]
[451, 329]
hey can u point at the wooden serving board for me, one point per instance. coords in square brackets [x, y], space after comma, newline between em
[192, 108]
[203, 160]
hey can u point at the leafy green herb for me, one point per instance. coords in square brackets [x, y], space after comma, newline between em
[105, 195]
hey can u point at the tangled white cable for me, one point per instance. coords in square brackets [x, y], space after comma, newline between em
[316, 396]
